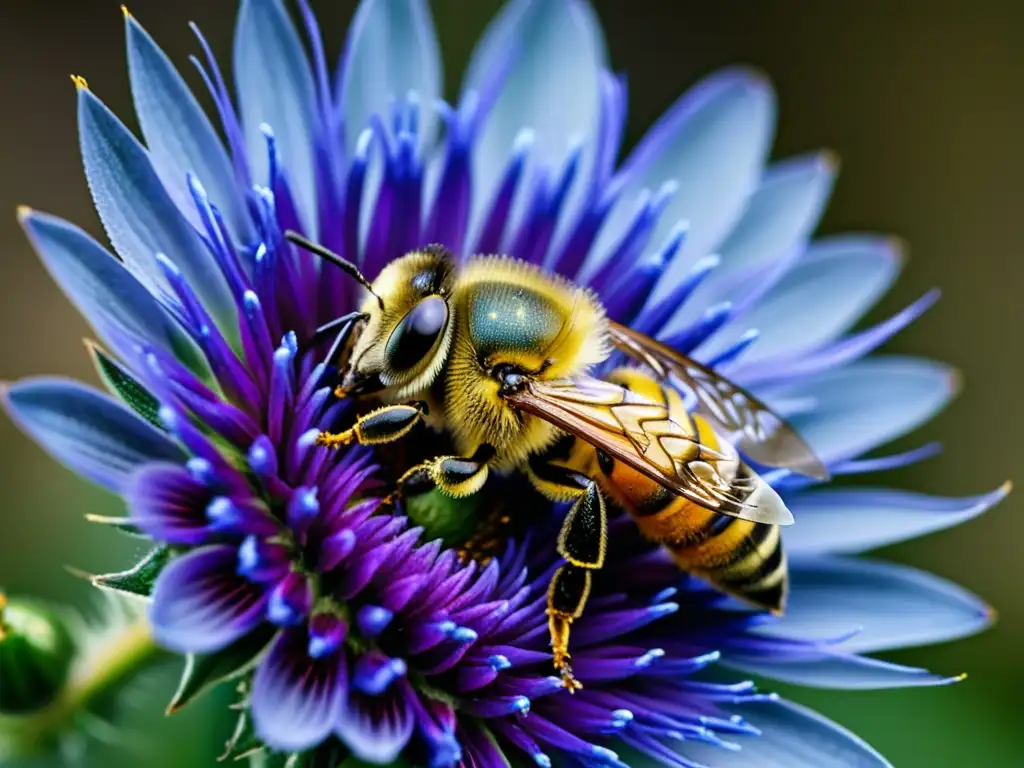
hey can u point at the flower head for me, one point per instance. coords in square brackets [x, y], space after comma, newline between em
[281, 563]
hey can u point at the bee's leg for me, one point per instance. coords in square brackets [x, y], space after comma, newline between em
[582, 541]
[452, 475]
[384, 425]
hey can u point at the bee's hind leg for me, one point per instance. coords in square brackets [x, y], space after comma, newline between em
[582, 542]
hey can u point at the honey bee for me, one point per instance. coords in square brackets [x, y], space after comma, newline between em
[498, 353]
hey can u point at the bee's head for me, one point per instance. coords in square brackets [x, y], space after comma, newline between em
[407, 337]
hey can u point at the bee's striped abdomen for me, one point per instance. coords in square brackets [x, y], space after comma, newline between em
[739, 557]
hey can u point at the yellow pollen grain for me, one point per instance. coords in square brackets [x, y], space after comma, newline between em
[80, 82]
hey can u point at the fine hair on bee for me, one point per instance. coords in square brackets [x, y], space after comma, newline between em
[499, 355]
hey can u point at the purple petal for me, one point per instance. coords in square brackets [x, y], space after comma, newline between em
[201, 605]
[892, 606]
[297, 700]
[851, 520]
[376, 729]
[168, 503]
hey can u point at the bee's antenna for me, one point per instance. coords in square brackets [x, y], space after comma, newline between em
[345, 265]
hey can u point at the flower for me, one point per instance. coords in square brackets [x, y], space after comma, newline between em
[279, 563]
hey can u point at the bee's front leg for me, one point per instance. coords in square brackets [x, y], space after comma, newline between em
[582, 542]
[384, 425]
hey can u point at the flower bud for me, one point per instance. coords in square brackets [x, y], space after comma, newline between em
[36, 651]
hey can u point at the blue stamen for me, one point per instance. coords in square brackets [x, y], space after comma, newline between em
[201, 471]
[499, 662]
[373, 619]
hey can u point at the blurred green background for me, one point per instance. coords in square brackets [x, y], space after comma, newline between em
[924, 103]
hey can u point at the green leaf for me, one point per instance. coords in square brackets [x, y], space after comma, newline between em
[139, 579]
[125, 386]
[205, 670]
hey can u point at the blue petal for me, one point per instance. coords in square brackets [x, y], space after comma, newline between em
[867, 403]
[140, 218]
[391, 51]
[892, 606]
[828, 290]
[791, 737]
[851, 520]
[541, 61]
[275, 86]
[296, 700]
[86, 430]
[108, 296]
[179, 135]
[837, 672]
[713, 142]
[779, 217]
[201, 605]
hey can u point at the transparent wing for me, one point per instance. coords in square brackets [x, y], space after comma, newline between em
[641, 434]
[758, 431]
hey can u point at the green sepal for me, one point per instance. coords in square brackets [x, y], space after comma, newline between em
[453, 520]
[205, 670]
[139, 579]
[122, 524]
[126, 386]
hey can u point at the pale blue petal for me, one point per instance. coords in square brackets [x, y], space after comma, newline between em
[546, 59]
[713, 142]
[791, 737]
[391, 51]
[837, 672]
[107, 295]
[851, 520]
[867, 403]
[827, 292]
[87, 431]
[179, 135]
[892, 606]
[140, 217]
[275, 86]
[779, 218]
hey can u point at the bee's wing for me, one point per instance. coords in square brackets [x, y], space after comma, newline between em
[762, 434]
[642, 435]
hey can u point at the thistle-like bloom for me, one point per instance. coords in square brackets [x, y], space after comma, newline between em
[278, 561]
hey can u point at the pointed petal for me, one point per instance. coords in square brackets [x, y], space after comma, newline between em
[179, 135]
[275, 86]
[391, 51]
[779, 218]
[540, 63]
[828, 290]
[113, 301]
[893, 606]
[851, 520]
[376, 728]
[87, 431]
[837, 672]
[166, 502]
[791, 737]
[139, 216]
[713, 143]
[201, 605]
[868, 403]
[296, 700]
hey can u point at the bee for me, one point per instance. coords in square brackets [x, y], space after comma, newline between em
[499, 354]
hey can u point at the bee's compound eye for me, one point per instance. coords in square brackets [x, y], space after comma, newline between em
[416, 334]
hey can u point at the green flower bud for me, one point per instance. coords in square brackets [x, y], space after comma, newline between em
[36, 652]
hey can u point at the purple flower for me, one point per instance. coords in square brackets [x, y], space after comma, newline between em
[356, 631]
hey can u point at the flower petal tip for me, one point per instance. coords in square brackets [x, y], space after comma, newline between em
[81, 84]
[126, 13]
